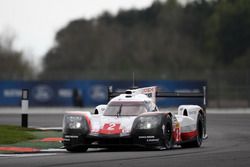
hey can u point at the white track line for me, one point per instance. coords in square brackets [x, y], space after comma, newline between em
[55, 150]
[27, 155]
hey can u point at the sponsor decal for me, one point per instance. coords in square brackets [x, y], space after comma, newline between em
[149, 91]
[72, 137]
[149, 138]
[177, 133]
[152, 140]
[146, 137]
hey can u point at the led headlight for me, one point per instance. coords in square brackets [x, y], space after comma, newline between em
[73, 121]
[148, 122]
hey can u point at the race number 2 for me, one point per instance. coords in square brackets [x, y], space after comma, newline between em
[111, 128]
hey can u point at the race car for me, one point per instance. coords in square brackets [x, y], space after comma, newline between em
[133, 119]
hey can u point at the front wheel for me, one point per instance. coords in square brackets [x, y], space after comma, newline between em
[167, 130]
[76, 148]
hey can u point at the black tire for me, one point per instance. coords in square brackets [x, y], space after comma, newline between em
[198, 140]
[167, 140]
[77, 149]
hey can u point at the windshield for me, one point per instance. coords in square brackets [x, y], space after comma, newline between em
[125, 109]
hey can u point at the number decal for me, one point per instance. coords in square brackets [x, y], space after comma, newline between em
[111, 126]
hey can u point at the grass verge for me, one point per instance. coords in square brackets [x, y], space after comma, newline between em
[36, 143]
[12, 134]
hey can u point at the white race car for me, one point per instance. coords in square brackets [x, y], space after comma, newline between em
[133, 119]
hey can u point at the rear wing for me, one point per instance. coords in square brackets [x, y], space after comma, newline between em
[162, 94]
[202, 95]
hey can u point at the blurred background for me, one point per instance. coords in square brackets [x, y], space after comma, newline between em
[204, 40]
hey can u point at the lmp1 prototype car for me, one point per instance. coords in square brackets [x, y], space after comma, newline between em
[133, 119]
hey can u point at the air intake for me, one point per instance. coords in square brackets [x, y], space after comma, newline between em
[129, 92]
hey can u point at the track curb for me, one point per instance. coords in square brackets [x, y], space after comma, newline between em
[16, 149]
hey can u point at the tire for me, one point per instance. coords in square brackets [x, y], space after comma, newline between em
[77, 149]
[167, 140]
[199, 138]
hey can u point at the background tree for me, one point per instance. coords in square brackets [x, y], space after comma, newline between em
[165, 38]
[145, 41]
[228, 30]
[12, 64]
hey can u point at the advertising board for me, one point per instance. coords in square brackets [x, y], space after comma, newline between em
[90, 92]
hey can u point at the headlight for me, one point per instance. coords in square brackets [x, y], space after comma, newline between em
[73, 121]
[148, 122]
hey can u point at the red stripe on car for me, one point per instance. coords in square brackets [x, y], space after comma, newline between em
[189, 135]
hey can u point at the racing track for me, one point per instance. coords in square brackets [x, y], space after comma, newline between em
[228, 145]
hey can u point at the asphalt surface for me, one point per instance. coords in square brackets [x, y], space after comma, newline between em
[34, 120]
[228, 145]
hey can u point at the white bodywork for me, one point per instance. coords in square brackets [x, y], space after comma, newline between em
[186, 117]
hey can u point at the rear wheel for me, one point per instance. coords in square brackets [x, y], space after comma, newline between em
[167, 140]
[199, 138]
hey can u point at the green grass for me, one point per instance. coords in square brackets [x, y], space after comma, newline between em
[44, 134]
[38, 144]
[26, 137]
[13, 134]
